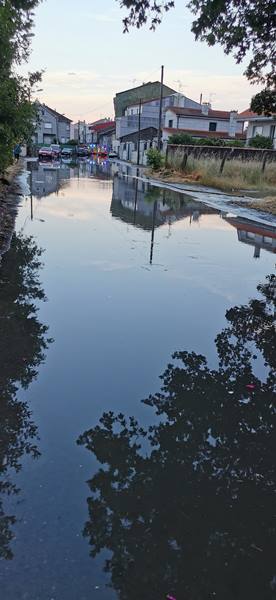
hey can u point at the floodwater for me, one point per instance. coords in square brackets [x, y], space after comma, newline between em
[130, 274]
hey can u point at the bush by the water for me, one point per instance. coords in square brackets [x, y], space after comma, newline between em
[154, 158]
[261, 141]
[184, 139]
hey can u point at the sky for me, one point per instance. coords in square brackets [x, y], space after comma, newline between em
[87, 59]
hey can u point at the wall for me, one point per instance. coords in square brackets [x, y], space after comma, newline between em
[145, 92]
[202, 123]
[43, 134]
[63, 131]
[265, 129]
[177, 152]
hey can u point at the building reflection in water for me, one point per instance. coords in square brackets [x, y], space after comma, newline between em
[136, 202]
[50, 177]
[193, 516]
[23, 343]
[259, 235]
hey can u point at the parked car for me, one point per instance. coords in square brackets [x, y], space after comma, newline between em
[56, 149]
[82, 150]
[45, 153]
[67, 152]
[112, 154]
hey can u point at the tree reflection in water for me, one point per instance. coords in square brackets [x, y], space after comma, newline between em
[22, 345]
[194, 517]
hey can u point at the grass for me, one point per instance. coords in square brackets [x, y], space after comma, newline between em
[237, 175]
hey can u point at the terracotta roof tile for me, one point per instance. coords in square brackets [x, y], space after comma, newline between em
[197, 112]
[202, 133]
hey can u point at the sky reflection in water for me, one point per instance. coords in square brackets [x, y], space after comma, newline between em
[122, 297]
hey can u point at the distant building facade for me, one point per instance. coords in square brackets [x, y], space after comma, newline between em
[203, 122]
[147, 91]
[103, 133]
[127, 125]
[52, 127]
[254, 124]
[81, 133]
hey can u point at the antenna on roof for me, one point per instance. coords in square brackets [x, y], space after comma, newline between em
[180, 85]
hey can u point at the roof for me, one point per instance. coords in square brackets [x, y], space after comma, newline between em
[102, 126]
[247, 115]
[149, 132]
[57, 114]
[197, 112]
[142, 86]
[202, 133]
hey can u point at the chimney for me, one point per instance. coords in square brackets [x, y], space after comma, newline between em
[205, 108]
[233, 123]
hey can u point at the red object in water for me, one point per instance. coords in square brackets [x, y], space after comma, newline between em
[250, 386]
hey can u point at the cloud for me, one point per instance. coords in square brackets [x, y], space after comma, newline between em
[88, 94]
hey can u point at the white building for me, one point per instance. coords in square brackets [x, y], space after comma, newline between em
[254, 124]
[202, 122]
[81, 132]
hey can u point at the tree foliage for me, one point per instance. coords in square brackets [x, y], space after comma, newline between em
[264, 103]
[186, 507]
[241, 27]
[23, 343]
[17, 112]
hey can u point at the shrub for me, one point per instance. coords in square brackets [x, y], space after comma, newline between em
[235, 143]
[72, 143]
[260, 141]
[154, 158]
[210, 142]
[181, 138]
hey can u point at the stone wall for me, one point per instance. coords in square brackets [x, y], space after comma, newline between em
[176, 154]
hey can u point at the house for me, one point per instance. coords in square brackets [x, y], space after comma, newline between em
[254, 124]
[127, 126]
[202, 121]
[80, 132]
[129, 122]
[146, 91]
[52, 127]
[103, 133]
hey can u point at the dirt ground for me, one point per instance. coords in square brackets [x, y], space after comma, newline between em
[9, 192]
[267, 204]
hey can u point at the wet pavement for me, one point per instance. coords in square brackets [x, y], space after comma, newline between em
[106, 277]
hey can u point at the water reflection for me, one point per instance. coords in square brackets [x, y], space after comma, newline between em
[23, 343]
[133, 201]
[255, 234]
[194, 516]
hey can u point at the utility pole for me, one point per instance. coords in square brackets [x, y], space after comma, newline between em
[160, 110]
[139, 133]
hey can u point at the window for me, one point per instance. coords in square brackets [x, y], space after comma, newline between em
[257, 130]
[67, 127]
[272, 132]
[47, 125]
[212, 126]
[170, 122]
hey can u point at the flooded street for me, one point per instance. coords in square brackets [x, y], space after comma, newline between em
[128, 275]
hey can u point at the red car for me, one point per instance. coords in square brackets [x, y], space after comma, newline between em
[45, 153]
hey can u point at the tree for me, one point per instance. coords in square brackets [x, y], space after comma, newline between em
[23, 343]
[264, 103]
[241, 27]
[17, 112]
[186, 507]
